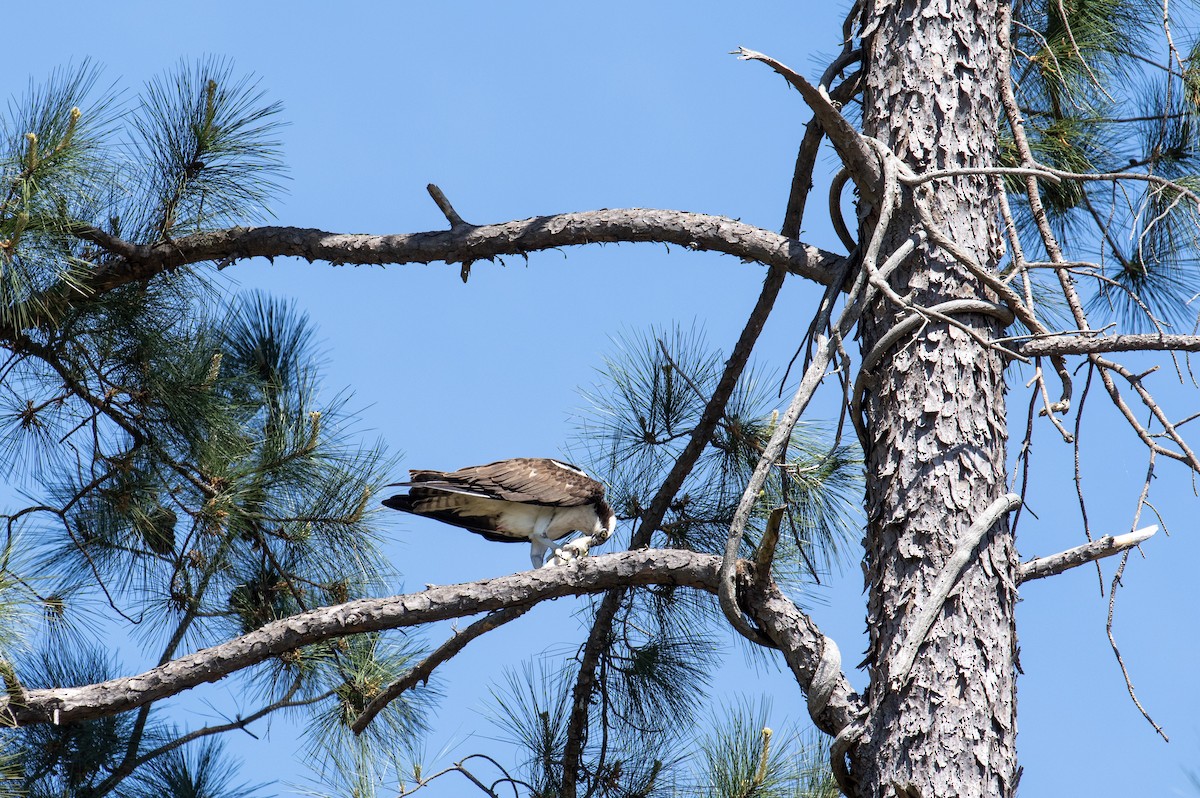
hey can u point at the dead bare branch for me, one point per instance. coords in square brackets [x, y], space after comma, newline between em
[930, 607]
[461, 244]
[1041, 567]
[791, 630]
[1096, 344]
[855, 154]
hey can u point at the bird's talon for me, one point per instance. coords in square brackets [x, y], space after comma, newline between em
[571, 552]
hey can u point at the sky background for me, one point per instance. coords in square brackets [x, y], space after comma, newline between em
[520, 109]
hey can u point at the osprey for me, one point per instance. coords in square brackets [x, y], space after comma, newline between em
[525, 498]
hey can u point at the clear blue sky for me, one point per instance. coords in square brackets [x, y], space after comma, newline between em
[518, 109]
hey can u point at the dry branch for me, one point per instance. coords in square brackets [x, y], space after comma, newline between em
[462, 244]
[1096, 344]
[1041, 567]
[425, 668]
[853, 151]
[792, 631]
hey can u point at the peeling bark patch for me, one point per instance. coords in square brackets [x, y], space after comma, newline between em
[936, 426]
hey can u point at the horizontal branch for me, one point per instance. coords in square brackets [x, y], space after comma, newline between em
[1106, 546]
[463, 244]
[1096, 344]
[795, 634]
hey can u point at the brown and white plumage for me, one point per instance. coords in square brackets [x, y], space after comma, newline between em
[526, 498]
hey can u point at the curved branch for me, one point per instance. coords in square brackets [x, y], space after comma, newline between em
[461, 244]
[795, 633]
[853, 151]
[803, 646]
[930, 606]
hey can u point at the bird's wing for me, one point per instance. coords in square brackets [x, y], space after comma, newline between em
[530, 480]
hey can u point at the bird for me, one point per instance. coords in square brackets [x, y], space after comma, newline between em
[537, 499]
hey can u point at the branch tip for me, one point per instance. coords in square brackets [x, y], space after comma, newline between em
[446, 208]
[766, 548]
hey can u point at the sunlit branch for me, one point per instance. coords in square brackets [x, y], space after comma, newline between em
[857, 157]
[1041, 567]
[462, 244]
[859, 295]
[930, 606]
[793, 632]
[424, 669]
[1096, 344]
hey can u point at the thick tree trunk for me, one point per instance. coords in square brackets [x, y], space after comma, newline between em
[936, 428]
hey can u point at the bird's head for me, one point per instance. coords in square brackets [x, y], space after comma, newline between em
[606, 523]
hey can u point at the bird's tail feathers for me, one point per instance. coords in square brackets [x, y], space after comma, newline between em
[423, 502]
[401, 501]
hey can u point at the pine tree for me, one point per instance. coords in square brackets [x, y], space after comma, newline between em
[1024, 207]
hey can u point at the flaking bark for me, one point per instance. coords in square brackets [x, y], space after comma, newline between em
[936, 428]
[793, 631]
[126, 262]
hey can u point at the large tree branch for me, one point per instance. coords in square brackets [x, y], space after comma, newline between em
[795, 634]
[464, 243]
[1091, 344]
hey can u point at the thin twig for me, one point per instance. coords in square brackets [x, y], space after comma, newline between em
[1112, 641]
[424, 669]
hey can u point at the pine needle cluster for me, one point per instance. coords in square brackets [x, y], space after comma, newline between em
[1100, 93]
[188, 478]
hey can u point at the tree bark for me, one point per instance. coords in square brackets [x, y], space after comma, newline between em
[936, 427]
[793, 632]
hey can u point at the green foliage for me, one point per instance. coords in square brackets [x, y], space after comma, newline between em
[641, 415]
[624, 761]
[532, 712]
[363, 666]
[205, 141]
[191, 481]
[733, 754]
[206, 495]
[196, 151]
[197, 771]
[68, 758]
[1089, 108]
[76, 759]
[215, 482]
[744, 758]
[55, 167]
